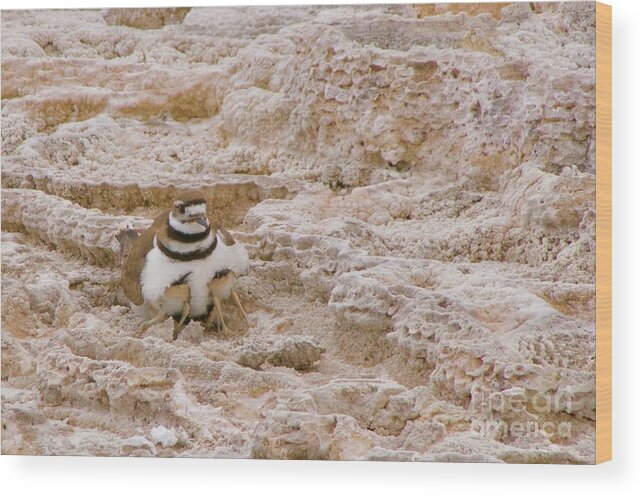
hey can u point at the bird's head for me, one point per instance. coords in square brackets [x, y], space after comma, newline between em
[190, 211]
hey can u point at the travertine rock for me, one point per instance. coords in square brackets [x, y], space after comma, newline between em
[296, 353]
[16, 360]
[382, 407]
[415, 186]
[294, 435]
[138, 446]
[164, 436]
[145, 18]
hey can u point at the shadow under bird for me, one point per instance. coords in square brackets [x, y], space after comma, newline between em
[181, 265]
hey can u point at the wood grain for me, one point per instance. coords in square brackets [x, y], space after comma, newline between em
[603, 232]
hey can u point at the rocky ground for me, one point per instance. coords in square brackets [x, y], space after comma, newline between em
[415, 186]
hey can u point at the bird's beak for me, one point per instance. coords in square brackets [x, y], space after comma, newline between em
[202, 220]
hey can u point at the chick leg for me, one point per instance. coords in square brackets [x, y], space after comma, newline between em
[179, 293]
[219, 288]
[178, 326]
[217, 314]
[237, 302]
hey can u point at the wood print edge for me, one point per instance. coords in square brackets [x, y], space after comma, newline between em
[603, 232]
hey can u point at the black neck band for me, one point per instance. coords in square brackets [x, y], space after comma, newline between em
[186, 237]
[188, 256]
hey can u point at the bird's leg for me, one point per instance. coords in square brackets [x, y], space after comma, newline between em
[178, 326]
[217, 287]
[160, 317]
[235, 299]
[217, 304]
[211, 317]
[178, 293]
[216, 313]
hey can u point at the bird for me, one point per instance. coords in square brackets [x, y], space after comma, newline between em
[182, 265]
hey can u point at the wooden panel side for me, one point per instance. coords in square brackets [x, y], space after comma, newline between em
[603, 232]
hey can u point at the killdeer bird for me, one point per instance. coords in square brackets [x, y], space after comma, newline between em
[181, 265]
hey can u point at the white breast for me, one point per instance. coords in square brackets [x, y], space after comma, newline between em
[161, 271]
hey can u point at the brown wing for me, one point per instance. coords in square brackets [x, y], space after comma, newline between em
[133, 267]
[228, 240]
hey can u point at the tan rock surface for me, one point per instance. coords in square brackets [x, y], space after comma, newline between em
[416, 190]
